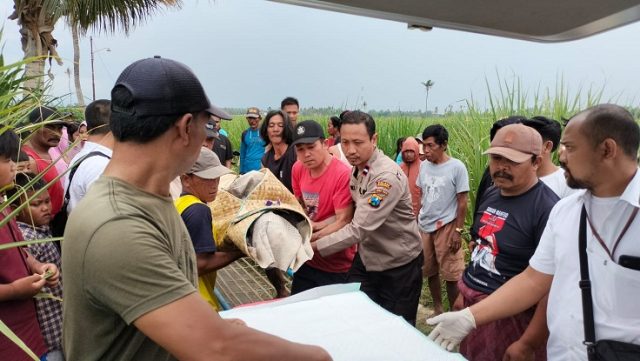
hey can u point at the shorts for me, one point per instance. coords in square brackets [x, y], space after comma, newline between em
[438, 258]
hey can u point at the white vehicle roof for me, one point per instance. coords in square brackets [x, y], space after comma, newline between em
[534, 20]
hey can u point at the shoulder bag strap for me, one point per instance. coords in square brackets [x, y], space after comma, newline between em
[74, 168]
[585, 286]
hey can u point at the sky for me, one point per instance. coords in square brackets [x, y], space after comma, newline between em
[256, 52]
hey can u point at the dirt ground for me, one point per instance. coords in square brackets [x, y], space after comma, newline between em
[421, 324]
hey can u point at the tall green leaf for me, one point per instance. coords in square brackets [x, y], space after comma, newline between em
[5, 330]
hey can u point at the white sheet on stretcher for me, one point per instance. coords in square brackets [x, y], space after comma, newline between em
[346, 323]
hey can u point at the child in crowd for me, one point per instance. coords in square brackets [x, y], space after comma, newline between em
[21, 275]
[33, 221]
[25, 164]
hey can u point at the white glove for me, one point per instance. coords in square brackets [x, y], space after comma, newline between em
[451, 328]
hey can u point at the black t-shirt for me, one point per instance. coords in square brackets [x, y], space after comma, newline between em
[509, 230]
[485, 183]
[197, 218]
[281, 168]
[223, 149]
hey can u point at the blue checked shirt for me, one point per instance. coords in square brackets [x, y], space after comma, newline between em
[48, 311]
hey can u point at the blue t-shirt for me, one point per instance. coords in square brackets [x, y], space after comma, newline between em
[197, 218]
[509, 230]
[251, 150]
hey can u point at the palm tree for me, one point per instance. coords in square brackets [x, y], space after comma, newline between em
[37, 19]
[427, 86]
[76, 64]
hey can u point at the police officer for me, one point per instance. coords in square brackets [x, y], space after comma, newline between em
[389, 260]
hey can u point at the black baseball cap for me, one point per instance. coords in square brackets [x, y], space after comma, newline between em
[50, 114]
[307, 131]
[162, 86]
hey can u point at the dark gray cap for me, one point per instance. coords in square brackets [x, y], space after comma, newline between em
[163, 87]
[50, 114]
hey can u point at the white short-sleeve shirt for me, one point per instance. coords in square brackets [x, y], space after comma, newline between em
[615, 289]
[558, 183]
[87, 172]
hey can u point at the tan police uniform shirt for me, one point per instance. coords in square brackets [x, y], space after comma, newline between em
[383, 223]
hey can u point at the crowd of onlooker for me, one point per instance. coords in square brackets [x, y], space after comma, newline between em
[385, 222]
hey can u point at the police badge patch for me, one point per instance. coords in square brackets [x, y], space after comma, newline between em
[375, 200]
[383, 184]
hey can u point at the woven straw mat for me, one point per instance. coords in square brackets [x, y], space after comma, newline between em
[243, 199]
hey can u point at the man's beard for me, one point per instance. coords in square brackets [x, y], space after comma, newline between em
[573, 182]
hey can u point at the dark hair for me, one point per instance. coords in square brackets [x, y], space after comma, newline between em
[21, 181]
[22, 156]
[399, 143]
[438, 132]
[98, 115]
[534, 158]
[72, 127]
[615, 122]
[514, 119]
[335, 121]
[549, 129]
[9, 144]
[287, 131]
[126, 126]
[289, 101]
[358, 117]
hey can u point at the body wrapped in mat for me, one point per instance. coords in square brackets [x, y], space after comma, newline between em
[258, 215]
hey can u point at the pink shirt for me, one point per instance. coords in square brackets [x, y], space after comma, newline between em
[322, 196]
[57, 152]
[56, 191]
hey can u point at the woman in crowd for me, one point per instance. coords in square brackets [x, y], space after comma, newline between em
[277, 131]
[77, 132]
[398, 154]
[66, 147]
[336, 150]
[333, 129]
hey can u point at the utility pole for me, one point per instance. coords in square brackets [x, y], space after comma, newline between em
[93, 77]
